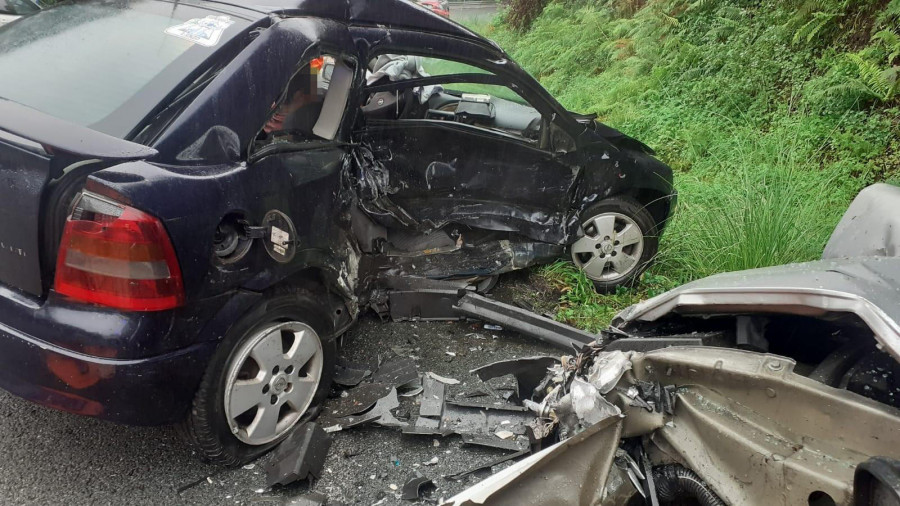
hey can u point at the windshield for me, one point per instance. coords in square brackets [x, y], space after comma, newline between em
[106, 65]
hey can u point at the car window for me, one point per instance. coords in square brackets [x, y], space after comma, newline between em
[312, 104]
[66, 66]
[491, 106]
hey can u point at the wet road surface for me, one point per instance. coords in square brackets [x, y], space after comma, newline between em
[51, 457]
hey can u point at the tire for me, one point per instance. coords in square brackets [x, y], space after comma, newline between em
[284, 313]
[617, 240]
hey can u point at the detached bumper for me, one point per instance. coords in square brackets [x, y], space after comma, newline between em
[148, 391]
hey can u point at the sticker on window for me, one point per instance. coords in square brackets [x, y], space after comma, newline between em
[204, 31]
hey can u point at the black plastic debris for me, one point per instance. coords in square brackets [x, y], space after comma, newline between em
[410, 389]
[301, 456]
[349, 374]
[358, 400]
[379, 414]
[516, 443]
[396, 372]
[529, 372]
[525, 322]
[417, 487]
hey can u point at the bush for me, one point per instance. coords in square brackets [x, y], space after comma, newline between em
[774, 115]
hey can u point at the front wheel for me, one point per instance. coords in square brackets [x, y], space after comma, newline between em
[617, 241]
[271, 371]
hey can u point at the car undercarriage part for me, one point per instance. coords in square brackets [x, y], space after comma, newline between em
[674, 483]
[524, 322]
[877, 482]
[300, 456]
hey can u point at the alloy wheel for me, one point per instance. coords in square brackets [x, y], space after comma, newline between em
[609, 247]
[272, 381]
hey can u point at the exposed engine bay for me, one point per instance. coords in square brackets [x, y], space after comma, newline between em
[708, 425]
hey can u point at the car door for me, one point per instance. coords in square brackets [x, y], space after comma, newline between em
[279, 149]
[467, 149]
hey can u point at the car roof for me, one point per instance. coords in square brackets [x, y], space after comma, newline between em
[398, 14]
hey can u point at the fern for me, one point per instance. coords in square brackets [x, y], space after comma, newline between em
[891, 43]
[701, 5]
[881, 84]
[815, 25]
[890, 15]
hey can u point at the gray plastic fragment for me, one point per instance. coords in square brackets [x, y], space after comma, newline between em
[300, 456]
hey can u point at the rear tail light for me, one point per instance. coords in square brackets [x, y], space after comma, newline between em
[117, 256]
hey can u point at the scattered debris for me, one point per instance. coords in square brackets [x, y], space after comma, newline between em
[529, 372]
[489, 465]
[433, 461]
[607, 369]
[446, 381]
[358, 400]
[410, 389]
[310, 499]
[525, 322]
[432, 397]
[416, 488]
[348, 374]
[396, 372]
[300, 456]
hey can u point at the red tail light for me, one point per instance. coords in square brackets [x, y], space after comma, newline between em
[117, 256]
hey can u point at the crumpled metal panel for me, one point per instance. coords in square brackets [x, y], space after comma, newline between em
[870, 227]
[760, 434]
[864, 286]
[572, 472]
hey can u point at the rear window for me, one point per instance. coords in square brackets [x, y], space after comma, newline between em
[85, 62]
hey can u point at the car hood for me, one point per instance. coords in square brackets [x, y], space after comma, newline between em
[869, 287]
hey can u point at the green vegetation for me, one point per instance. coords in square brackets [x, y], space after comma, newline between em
[774, 114]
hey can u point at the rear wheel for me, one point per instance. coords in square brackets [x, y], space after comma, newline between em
[272, 371]
[617, 241]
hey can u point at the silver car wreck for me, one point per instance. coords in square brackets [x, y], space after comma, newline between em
[775, 386]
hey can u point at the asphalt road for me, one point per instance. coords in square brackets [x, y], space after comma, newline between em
[51, 457]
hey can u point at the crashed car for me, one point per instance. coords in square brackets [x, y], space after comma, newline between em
[776, 386]
[191, 216]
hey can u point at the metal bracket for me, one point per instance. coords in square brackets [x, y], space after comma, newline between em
[251, 232]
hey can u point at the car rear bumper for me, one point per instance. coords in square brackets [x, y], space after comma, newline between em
[138, 368]
[147, 391]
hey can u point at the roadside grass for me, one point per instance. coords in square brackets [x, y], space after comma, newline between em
[581, 306]
[772, 116]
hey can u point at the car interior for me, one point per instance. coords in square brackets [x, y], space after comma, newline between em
[468, 96]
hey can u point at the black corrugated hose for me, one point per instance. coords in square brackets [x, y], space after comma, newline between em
[674, 482]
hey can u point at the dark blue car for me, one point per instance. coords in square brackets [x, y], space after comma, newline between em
[197, 198]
